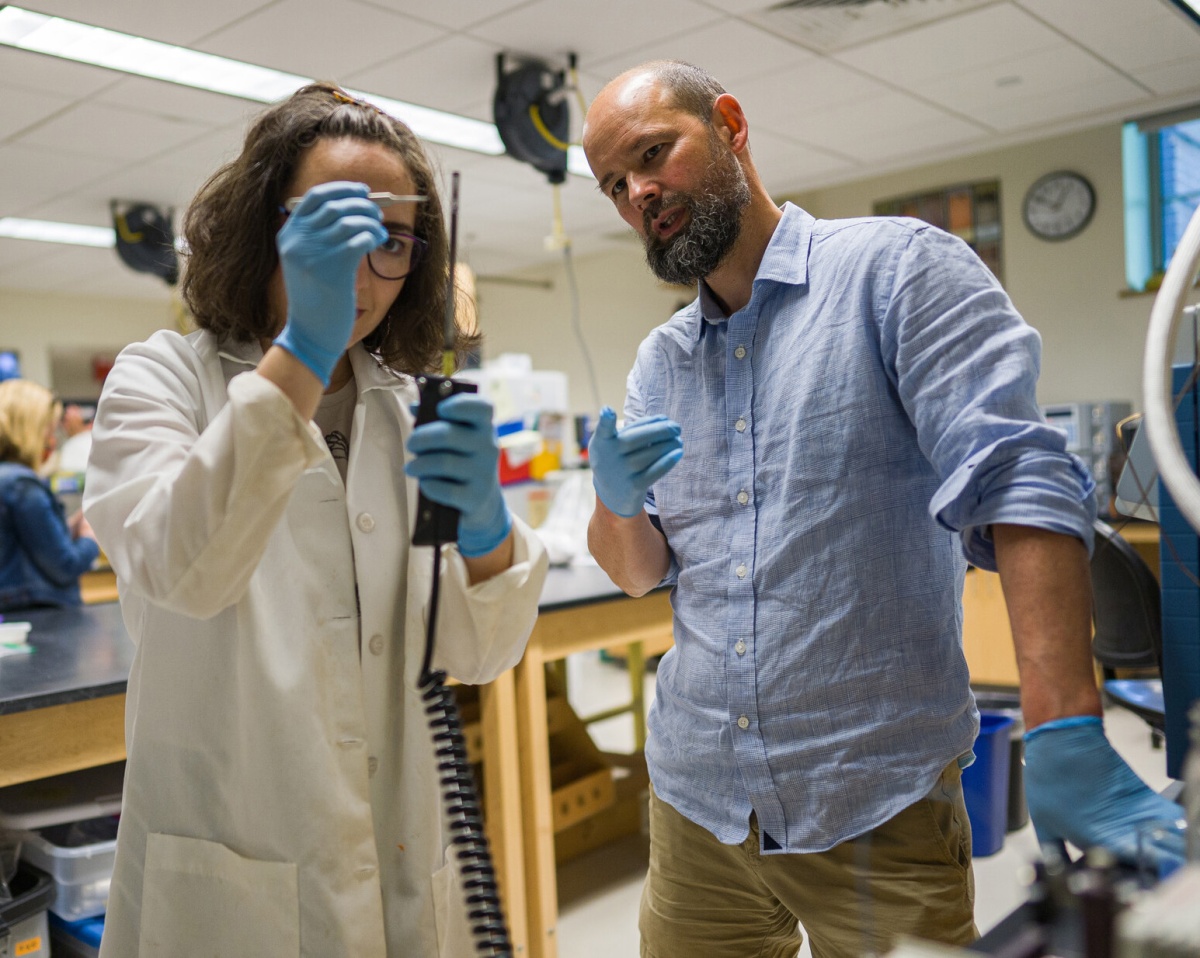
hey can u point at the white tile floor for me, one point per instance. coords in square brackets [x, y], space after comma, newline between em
[599, 892]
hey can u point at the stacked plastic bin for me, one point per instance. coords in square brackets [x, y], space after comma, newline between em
[67, 827]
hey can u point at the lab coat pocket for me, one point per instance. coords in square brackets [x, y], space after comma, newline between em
[449, 908]
[201, 898]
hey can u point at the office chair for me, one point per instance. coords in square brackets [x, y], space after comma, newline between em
[1127, 616]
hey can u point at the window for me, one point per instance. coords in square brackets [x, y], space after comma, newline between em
[1161, 158]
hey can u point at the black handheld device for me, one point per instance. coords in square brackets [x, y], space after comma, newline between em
[435, 526]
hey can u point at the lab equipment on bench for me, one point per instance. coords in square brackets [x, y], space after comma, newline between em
[1091, 432]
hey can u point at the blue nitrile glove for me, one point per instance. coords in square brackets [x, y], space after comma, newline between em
[626, 463]
[1081, 791]
[458, 464]
[320, 247]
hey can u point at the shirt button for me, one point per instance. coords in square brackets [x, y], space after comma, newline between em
[366, 522]
[740, 647]
[743, 722]
[743, 497]
[740, 425]
[376, 644]
[365, 872]
[740, 352]
[372, 765]
[741, 571]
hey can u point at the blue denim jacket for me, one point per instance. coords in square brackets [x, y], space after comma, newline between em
[40, 563]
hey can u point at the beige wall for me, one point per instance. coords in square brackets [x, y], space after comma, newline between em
[1070, 291]
[619, 303]
[73, 328]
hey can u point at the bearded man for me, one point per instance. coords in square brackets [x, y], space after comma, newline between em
[815, 448]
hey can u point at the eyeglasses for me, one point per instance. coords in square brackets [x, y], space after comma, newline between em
[395, 257]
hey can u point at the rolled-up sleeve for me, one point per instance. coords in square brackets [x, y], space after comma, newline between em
[966, 367]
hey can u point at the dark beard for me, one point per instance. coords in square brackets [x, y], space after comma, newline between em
[714, 223]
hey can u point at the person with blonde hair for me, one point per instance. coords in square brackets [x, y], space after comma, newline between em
[42, 553]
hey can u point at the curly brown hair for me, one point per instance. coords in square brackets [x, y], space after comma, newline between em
[231, 224]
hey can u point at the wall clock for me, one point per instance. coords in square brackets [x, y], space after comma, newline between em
[1058, 205]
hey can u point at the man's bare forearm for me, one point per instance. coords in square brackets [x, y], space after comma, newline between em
[1048, 591]
[631, 551]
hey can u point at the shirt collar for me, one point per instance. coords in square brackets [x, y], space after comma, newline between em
[785, 260]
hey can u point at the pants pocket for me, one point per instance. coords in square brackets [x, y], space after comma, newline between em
[200, 898]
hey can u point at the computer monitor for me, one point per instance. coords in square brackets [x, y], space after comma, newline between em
[1137, 487]
[10, 364]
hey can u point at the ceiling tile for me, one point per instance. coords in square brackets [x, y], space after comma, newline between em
[831, 26]
[179, 23]
[420, 76]
[1038, 84]
[786, 164]
[29, 109]
[456, 14]
[100, 130]
[1170, 78]
[35, 176]
[14, 253]
[22, 70]
[885, 126]
[553, 28]
[728, 49]
[173, 101]
[781, 101]
[1067, 102]
[308, 38]
[967, 42]
[1129, 34]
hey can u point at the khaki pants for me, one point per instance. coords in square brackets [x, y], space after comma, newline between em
[910, 876]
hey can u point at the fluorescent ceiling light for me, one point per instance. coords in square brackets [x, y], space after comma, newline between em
[45, 231]
[55, 36]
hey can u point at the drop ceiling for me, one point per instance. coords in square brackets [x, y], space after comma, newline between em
[833, 93]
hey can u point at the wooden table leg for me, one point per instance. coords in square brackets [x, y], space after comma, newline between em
[538, 827]
[637, 687]
[502, 796]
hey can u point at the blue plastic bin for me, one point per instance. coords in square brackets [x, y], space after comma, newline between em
[985, 784]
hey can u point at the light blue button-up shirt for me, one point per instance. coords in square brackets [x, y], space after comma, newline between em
[873, 401]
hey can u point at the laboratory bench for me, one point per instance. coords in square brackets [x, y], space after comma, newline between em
[62, 706]
[62, 709]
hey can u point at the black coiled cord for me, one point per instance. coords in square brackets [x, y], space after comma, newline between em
[460, 799]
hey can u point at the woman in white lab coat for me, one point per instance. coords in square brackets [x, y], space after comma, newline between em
[280, 794]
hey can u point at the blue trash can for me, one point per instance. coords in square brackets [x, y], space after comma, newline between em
[985, 784]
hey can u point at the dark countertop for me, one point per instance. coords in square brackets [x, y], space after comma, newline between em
[86, 653]
[78, 653]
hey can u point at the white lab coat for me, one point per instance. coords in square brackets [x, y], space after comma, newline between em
[280, 794]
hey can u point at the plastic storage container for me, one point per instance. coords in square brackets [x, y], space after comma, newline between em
[76, 939]
[23, 925]
[79, 856]
[73, 797]
[1009, 703]
[985, 784]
